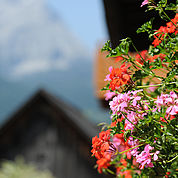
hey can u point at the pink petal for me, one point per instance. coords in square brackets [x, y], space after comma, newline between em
[144, 3]
[110, 69]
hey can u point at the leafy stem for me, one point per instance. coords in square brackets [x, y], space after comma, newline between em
[168, 17]
[172, 159]
[129, 120]
[156, 85]
[132, 148]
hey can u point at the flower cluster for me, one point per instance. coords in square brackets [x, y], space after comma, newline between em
[145, 157]
[140, 58]
[169, 101]
[144, 57]
[130, 106]
[106, 148]
[108, 95]
[121, 145]
[135, 109]
[168, 29]
[118, 77]
[100, 147]
[141, 140]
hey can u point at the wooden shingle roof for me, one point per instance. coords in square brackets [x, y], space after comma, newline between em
[44, 100]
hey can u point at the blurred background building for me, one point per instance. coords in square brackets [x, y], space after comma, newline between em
[50, 44]
[41, 47]
[51, 135]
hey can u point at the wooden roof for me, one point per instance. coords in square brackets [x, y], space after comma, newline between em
[73, 117]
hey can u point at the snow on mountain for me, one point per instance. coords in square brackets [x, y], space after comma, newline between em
[33, 39]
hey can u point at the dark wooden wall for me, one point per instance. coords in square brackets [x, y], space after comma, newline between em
[45, 138]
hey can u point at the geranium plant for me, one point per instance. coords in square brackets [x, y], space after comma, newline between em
[141, 140]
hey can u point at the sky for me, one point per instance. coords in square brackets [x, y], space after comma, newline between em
[85, 18]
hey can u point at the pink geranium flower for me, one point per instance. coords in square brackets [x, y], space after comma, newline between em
[144, 3]
[155, 156]
[108, 95]
[168, 100]
[144, 158]
[108, 76]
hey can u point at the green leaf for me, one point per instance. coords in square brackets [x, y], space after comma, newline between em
[171, 6]
[162, 3]
[107, 46]
[146, 27]
[121, 49]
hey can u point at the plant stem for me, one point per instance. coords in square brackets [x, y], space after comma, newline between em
[172, 159]
[132, 148]
[168, 17]
[138, 52]
[138, 65]
[156, 85]
[129, 120]
[111, 172]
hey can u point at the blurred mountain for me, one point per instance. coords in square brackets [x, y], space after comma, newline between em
[34, 39]
[37, 51]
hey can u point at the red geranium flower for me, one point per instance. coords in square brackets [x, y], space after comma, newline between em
[170, 28]
[103, 163]
[119, 77]
[100, 147]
